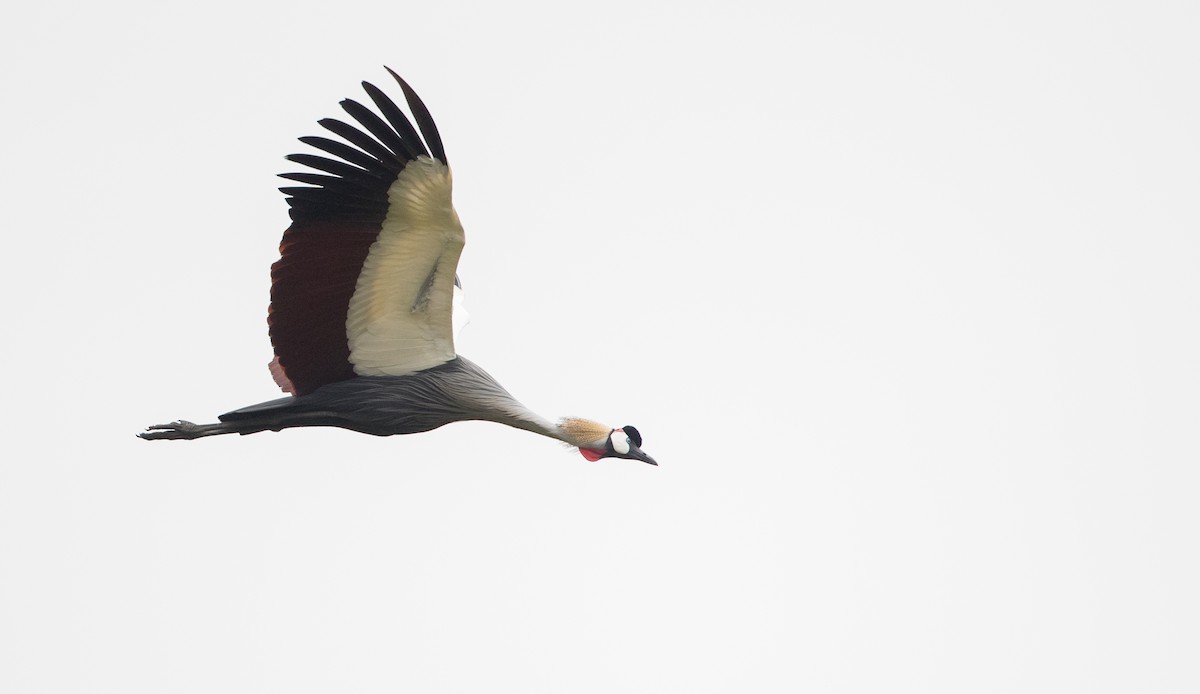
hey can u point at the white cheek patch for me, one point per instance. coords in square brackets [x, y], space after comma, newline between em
[620, 442]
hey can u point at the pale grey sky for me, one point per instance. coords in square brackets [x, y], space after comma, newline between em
[903, 299]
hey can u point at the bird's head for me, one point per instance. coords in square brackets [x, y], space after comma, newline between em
[625, 442]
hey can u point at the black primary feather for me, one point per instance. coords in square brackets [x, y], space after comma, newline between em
[350, 154]
[364, 141]
[424, 120]
[340, 169]
[399, 121]
[377, 127]
[320, 195]
[350, 186]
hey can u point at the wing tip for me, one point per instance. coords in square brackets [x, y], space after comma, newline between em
[424, 120]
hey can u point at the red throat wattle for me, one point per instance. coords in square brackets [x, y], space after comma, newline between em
[591, 454]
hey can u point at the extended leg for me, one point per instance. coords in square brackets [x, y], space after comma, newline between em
[186, 430]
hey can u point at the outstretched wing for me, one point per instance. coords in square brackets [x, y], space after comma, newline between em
[365, 280]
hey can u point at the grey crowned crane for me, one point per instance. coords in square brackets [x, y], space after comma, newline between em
[363, 297]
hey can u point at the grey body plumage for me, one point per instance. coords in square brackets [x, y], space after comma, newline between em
[380, 405]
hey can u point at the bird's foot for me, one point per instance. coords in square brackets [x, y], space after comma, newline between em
[179, 429]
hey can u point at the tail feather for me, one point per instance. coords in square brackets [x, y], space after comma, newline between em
[268, 409]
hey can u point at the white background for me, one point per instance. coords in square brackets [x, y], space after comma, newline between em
[904, 300]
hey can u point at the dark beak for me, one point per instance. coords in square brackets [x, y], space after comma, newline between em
[637, 454]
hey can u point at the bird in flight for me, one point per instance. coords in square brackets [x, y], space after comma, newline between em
[365, 297]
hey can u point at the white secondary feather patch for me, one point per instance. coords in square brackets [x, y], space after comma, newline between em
[459, 314]
[399, 320]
